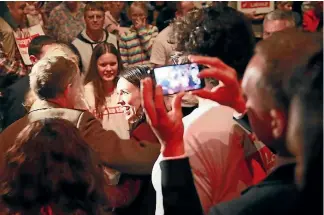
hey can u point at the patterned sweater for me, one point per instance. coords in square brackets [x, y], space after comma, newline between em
[135, 46]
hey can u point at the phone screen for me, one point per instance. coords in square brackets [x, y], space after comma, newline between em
[177, 78]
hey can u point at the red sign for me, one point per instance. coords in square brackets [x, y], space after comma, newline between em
[255, 4]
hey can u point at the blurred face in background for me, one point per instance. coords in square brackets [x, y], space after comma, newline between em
[72, 5]
[94, 20]
[137, 13]
[107, 66]
[184, 7]
[285, 7]
[17, 11]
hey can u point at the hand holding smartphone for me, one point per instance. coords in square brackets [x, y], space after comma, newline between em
[177, 78]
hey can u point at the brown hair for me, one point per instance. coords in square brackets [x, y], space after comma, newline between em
[277, 51]
[93, 75]
[51, 164]
[92, 6]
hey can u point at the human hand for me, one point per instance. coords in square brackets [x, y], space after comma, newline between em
[140, 22]
[230, 93]
[167, 126]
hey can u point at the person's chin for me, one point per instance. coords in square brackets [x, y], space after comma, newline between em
[109, 78]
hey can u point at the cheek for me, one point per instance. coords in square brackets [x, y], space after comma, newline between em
[261, 125]
[100, 70]
[134, 101]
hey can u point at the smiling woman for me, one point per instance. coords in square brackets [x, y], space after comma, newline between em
[100, 93]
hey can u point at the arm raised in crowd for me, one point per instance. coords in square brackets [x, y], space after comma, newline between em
[179, 192]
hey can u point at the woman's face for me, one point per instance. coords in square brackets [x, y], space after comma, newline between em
[295, 138]
[107, 65]
[129, 99]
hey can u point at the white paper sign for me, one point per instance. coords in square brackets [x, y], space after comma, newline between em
[23, 38]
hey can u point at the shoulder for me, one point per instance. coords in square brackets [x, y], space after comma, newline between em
[4, 26]
[260, 199]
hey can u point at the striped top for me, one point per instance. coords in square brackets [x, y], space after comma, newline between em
[135, 46]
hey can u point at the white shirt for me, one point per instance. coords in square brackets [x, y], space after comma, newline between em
[113, 118]
[214, 155]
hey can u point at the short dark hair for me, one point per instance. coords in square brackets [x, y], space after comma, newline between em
[216, 31]
[37, 43]
[282, 56]
[91, 6]
[135, 74]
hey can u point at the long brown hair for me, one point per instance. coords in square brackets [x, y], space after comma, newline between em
[93, 75]
[51, 164]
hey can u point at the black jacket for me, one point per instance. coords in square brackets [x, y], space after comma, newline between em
[277, 194]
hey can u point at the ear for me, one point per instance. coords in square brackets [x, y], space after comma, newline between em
[278, 123]
[33, 59]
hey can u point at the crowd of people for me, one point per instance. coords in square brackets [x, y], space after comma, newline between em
[85, 128]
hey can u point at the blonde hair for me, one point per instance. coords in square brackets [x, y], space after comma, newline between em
[139, 4]
[56, 49]
[51, 75]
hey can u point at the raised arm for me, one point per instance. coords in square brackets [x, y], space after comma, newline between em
[179, 193]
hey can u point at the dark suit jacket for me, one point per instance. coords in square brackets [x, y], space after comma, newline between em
[14, 97]
[127, 156]
[277, 194]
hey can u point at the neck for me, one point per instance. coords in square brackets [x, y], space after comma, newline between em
[109, 87]
[62, 102]
[95, 35]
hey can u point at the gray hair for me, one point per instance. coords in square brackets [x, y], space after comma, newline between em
[281, 15]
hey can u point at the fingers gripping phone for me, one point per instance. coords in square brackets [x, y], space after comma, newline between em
[177, 78]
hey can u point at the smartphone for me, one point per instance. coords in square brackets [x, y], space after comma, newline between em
[177, 78]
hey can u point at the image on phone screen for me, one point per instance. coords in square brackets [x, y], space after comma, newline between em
[177, 78]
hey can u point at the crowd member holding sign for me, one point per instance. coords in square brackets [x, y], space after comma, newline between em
[14, 96]
[11, 65]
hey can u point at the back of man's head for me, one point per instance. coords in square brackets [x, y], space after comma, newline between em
[36, 45]
[51, 76]
[282, 57]
[277, 20]
[217, 31]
